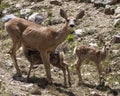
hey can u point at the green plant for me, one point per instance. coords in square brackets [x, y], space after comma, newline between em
[70, 37]
[49, 18]
[3, 6]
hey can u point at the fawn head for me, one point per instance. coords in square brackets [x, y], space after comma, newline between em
[71, 20]
[107, 44]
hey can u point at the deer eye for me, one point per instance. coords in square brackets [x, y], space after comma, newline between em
[68, 20]
[75, 20]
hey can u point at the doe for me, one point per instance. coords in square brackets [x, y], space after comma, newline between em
[44, 39]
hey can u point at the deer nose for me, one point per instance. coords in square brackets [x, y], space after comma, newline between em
[72, 25]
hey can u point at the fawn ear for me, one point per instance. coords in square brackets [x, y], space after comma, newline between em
[113, 40]
[63, 14]
[80, 15]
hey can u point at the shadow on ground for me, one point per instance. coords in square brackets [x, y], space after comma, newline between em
[115, 92]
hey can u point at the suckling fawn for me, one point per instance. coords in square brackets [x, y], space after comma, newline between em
[56, 59]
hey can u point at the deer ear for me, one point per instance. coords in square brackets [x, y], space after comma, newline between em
[80, 15]
[63, 14]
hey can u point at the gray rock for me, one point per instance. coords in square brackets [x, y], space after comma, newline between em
[36, 17]
[6, 18]
[18, 6]
[109, 10]
[56, 2]
[9, 64]
[56, 20]
[117, 39]
[104, 2]
[78, 32]
[117, 23]
[117, 10]
[5, 11]
[24, 13]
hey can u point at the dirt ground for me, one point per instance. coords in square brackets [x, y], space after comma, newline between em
[93, 23]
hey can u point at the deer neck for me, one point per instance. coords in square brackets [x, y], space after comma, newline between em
[104, 52]
[63, 33]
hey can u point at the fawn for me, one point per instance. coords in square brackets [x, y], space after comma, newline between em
[84, 52]
[56, 59]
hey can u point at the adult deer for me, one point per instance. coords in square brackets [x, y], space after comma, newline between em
[84, 52]
[41, 38]
[56, 59]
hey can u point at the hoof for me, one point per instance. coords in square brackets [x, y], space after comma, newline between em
[79, 83]
[18, 75]
[50, 82]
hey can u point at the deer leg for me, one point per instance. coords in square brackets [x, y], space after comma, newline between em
[63, 68]
[46, 62]
[31, 66]
[67, 68]
[78, 65]
[64, 72]
[100, 71]
[12, 52]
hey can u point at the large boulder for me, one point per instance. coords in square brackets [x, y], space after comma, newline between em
[24, 13]
[117, 10]
[6, 18]
[117, 39]
[109, 10]
[37, 18]
[104, 2]
[117, 23]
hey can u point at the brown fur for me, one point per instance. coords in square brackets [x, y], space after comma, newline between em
[93, 54]
[56, 59]
[41, 38]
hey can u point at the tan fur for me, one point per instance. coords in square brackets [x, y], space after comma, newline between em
[41, 38]
[93, 54]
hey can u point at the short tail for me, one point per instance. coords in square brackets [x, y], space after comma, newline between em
[6, 18]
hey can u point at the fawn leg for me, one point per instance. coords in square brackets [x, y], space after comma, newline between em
[77, 66]
[31, 66]
[100, 71]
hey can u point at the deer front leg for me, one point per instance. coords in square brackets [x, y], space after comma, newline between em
[100, 71]
[77, 66]
[45, 58]
[12, 52]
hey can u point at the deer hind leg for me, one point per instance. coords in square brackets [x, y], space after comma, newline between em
[28, 76]
[69, 78]
[62, 66]
[67, 68]
[12, 52]
[45, 58]
[78, 69]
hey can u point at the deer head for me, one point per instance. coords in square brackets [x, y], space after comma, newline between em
[71, 20]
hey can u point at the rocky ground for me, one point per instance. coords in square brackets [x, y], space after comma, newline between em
[99, 19]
